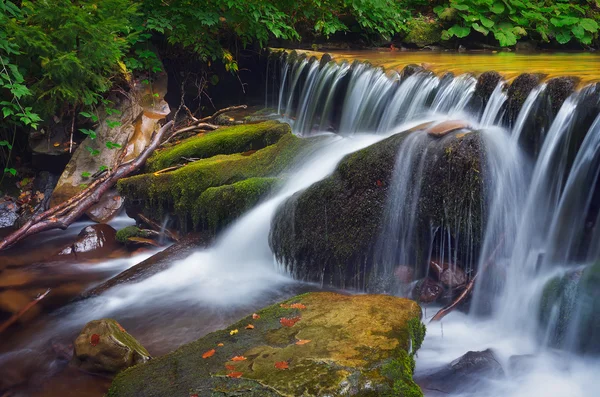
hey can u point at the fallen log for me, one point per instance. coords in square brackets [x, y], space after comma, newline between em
[24, 310]
[62, 215]
[170, 234]
[469, 288]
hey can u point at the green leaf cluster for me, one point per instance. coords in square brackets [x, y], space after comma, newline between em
[510, 20]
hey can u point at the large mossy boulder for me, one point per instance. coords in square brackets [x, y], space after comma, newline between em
[569, 312]
[237, 139]
[317, 344]
[238, 180]
[328, 233]
[104, 347]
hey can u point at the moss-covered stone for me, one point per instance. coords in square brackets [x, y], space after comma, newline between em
[219, 206]
[357, 345]
[328, 232]
[180, 192]
[237, 139]
[124, 234]
[105, 347]
[423, 31]
[517, 94]
[486, 83]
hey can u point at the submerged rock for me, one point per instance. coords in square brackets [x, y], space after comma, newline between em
[315, 344]
[96, 241]
[569, 310]
[104, 347]
[463, 374]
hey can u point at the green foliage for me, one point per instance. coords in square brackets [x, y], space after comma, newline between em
[510, 20]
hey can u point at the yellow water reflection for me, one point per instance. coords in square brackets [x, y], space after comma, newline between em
[584, 65]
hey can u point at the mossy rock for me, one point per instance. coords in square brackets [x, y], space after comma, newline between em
[423, 31]
[517, 93]
[103, 346]
[358, 345]
[237, 139]
[328, 233]
[570, 308]
[486, 84]
[126, 233]
[180, 192]
[219, 206]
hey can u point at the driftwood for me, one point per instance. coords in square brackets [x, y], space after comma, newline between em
[62, 215]
[468, 289]
[24, 310]
[170, 234]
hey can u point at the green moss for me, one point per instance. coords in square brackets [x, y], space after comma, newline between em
[218, 206]
[179, 192]
[241, 138]
[124, 234]
[423, 31]
[352, 338]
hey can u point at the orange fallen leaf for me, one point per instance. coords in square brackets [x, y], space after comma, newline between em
[235, 374]
[220, 345]
[255, 316]
[120, 327]
[249, 326]
[95, 339]
[282, 365]
[289, 322]
[297, 306]
[238, 358]
[285, 306]
[209, 353]
[56, 144]
[302, 341]
[229, 367]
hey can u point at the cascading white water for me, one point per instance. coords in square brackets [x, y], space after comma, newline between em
[491, 112]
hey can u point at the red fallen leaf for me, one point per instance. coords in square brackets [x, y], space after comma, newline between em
[209, 353]
[121, 327]
[299, 306]
[235, 374]
[302, 341]
[229, 367]
[193, 395]
[255, 316]
[249, 326]
[282, 365]
[379, 183]
[289, 322]
[238, 358]
[95, 339]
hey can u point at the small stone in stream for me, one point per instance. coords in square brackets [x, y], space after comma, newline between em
[103, 347]
[449, 275]
[8, 213]
[465, 374]
[427, 290]
[95, 241]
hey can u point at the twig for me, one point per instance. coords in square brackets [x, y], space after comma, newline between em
[199, 126]
[219, 112]
[467, 291]
[172, 235]
[72, 131]
[24, 310]
[173, 168]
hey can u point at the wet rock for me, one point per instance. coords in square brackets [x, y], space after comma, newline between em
[517, 94]
[569, 310]
[464, 373]
[486, 83]
[104, 347]
[8, 213]
[444, 128]
[427, 290]
[449, 275]
[96, 241]
[329, 344]
[156, 263]
[328, 232]
[107, 208]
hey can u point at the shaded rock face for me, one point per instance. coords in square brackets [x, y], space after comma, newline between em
[137, 121]
[329, 232]
[427, 291]
[449, 275]
[517, 94]
[96, 241]
[569, 311]
[463, 374]
[107, 208]
[104, 347]
[315, 344]
[8, 213]
[486, 83]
